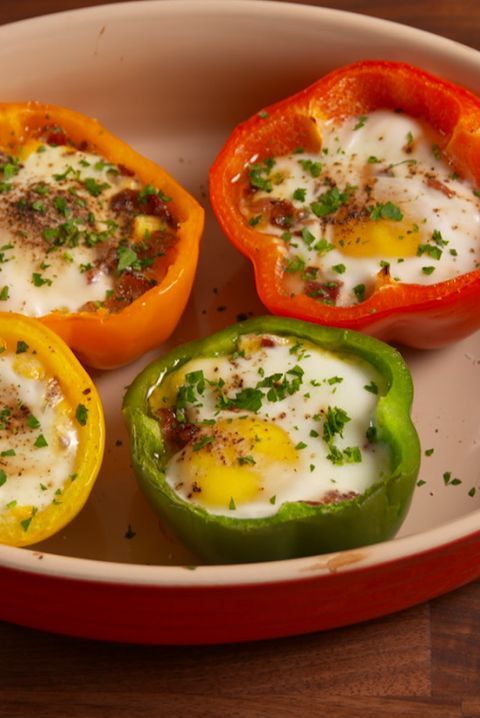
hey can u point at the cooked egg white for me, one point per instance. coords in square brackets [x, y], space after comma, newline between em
[38, 441]
[260, 419]
[378, 195]
[35, 280]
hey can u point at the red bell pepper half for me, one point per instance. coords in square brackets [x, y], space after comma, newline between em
[419, 315]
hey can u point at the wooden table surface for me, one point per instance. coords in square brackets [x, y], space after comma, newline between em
[424, 661]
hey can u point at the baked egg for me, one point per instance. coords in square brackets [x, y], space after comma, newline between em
[278, 421]
[379, 202]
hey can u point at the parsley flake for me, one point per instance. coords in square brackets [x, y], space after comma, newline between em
[81, 414]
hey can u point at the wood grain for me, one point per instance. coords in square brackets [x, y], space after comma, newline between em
[297, 675]
[456, 20]
[424, 661]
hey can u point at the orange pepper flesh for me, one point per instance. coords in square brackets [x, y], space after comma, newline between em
[104, 339]
[413, 314]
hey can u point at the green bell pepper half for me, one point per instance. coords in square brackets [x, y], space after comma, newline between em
[298, 528]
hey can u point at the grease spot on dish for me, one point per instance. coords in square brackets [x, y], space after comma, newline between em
[338, 562]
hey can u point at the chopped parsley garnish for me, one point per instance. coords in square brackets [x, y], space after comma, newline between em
[81, 414]
[61, 205]
[307, 236]
[39, 281]
[4, 294]
[431, 249]
[40, 442]
[33, 422]
[69, 171]
[329, 202]
[242, 460]
[3, 477]
[339, 457]
[335, 380]
[438, 239]
[204, 441]
[335, 420]
[248, 399]
[300, 194]
[40, 207]
[428, 270]
[323, 246]
[360, 122]
[258, 175]
[386, 210]
[279, 386]
[21, 347]
[93, 187]
[127, 259]
[10, 168]
[313, 168]
[359, 291]
[25, 524]
[296, 264]
[372, 387]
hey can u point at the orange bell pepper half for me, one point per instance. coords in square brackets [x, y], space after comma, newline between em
[147, 304]
[416, 314]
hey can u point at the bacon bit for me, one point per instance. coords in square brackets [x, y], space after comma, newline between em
[128, 288]
[55, 136]
[158, 208]
[282, 213]
[267, 342]
[326, 291]
[435, 183]
[175, 434]
[333, 497]
[106, 262]
[125, 171]
[125, 201]
[128, 201]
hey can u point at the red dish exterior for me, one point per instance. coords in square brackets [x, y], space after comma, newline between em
[182, 615]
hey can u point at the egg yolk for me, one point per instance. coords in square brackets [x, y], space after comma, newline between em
[382, 238]
[232, 466]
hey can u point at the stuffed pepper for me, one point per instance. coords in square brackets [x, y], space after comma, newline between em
[358, 202]
[275, 438]
[51, 432]
[97, 241]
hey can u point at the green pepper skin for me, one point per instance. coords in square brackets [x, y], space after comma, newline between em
[297, 529]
